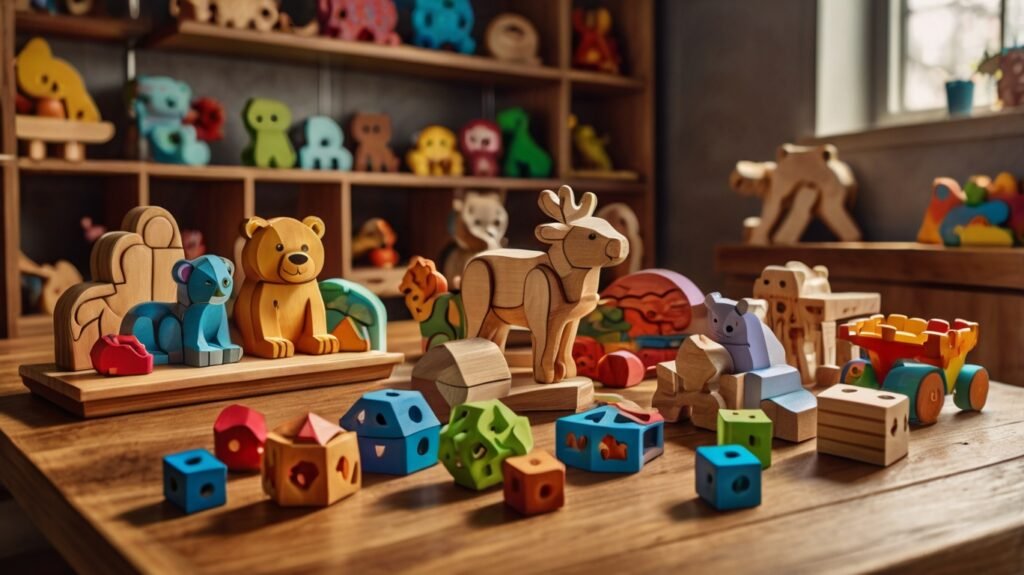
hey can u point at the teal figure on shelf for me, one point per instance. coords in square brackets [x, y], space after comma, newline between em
[440, 23]
[160, 105]
[523, 156]
[321, 145]
[267, 122]
[194, 330]
[348, 299]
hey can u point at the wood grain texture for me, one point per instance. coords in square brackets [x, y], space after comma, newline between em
[99, 501]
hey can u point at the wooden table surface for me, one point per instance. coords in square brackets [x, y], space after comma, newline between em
[94, 488]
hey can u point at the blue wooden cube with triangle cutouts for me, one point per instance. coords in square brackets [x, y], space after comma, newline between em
[605, 440]
[398, 432]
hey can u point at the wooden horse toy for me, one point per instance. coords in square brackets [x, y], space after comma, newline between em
[546, 292]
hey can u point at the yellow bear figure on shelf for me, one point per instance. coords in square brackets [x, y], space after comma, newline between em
[279, 309]
[435, 153]
[40, 75]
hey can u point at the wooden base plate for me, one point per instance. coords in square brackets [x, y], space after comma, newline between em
[88, 394]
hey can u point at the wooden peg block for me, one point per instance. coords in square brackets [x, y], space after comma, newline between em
[700, 361]
[534, 483]
[864, 424]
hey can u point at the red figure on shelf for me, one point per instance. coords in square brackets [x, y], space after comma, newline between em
[480, 141]
[207, 116]
[120, 355]
[596, 50]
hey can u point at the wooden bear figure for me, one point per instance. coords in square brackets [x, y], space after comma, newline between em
[436, 153]
[322, 146]
[267, 122]
[360, 20]
[161, 105]
[523, 156]
[441, 23]
[372, 133]
[40, 75]
[195, 329]
[480, 141]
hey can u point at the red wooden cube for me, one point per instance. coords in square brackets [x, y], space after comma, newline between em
[534, 483]
[238, 437]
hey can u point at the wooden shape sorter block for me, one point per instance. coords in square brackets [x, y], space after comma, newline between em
[310, 461]
[750, 428]
[128, 267]
[794, 415]
[864, 424]
[728, 477]
[606, 440]
[195, 480]
[534, 483]
[239, 436]
[478, 438]
[398, 433]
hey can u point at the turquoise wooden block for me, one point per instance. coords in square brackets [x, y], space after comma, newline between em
[323, 146]
[604, 440]
[728, 477]
[195, 480]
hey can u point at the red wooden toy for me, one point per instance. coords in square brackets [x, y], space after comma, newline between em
[120, 355]
[586, 352]
[480, 141]
[596, 50]
[207, 115]
[360, 20]
[620, 369]
[238, 437]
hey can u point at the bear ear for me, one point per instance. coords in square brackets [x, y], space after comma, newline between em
[742, 306]
[182, 270]
[315, 224]
[711, 298]
[251, 225]
[230, 265]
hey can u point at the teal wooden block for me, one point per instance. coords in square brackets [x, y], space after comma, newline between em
[323, 146]
[195, 480]
[728, 477]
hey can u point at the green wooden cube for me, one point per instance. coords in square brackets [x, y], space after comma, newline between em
[478, 438]
[750, 428]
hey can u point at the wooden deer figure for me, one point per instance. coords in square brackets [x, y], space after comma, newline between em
[546, 292]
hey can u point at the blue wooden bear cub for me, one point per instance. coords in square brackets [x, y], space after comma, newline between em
[193, 331]
[398, 433]
[605, 440]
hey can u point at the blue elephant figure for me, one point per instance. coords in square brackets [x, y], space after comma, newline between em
[160, 105]
[437, 23]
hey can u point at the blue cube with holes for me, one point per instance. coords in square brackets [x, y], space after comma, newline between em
[398, 432]
[195, 480]
[728, 477]
[607, 440]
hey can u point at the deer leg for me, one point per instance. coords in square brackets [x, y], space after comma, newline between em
[544, 329]
[799, 216]
[565, 364]
[476, 296]
[770, 212]
[832, 210]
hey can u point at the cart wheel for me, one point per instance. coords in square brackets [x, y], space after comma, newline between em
[860, 373]
[971, 390]
[925, 385]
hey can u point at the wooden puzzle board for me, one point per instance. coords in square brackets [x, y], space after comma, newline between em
[88, 394]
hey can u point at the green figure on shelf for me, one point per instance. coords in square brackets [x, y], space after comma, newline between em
[267, 122]
[523, 156]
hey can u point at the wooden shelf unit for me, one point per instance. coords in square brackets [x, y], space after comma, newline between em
[625, 105]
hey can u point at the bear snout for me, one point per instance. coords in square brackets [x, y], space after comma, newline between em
[298, 259]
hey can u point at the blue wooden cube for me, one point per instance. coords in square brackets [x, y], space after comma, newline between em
[605, 440]
[728, 477]
[398, 432]
[195, 480]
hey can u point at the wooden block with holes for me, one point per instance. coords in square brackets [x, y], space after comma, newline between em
[864, 424]
[310, 461]
[398, 433]
[534, 483]
[461, 371]
[606, 440]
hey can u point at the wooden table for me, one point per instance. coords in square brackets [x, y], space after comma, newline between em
[94, 488]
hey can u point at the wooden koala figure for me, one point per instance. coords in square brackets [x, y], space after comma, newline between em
[279, 309]
[479, 223]
[739, 328]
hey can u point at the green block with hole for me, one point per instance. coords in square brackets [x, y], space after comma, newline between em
[750, 428]
[480, 436]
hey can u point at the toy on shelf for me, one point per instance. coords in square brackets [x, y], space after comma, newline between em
[728, 477]
[863, 424]
[523, 156]
[750, 428]
[1008, 64]
[129, 267]
[398, 433]
[239, 437]
[53, 281]
[261, 15]
[801, 183]
[547, 292]
[513, 38]
[192, 242]
[435, 153]
[267, 122]
[195, 480]
[457, 372]
[376, 241]
[608, 440]
[360, 20]
[282, 258]
[207, 116]
[195, 329]
[534, 483]
[439, 24]
[161, 106]
[355, 315]
[438, 311]
[596, 49]
[922, 359]
[299, 17]
[985, 213]
[91, 231]
[478, 438]
[803, 312]
[120, 355]
[480, 142]
[310, 461]
[321, 145]
[41, 75]
[372, 133]
[625, 221]
[590, 148]
[479, 222]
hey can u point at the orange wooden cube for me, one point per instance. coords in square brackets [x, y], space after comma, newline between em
[534, 483]
[310, 461]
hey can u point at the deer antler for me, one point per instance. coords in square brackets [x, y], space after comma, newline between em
[571, 211]
[549, 204]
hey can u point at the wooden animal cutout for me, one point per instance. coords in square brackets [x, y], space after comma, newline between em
[946, 195]
[360, 20]
[372, 133]
[259, 14]
[40, 75]
[479, 223]
[590, 148]
[435, 154]
[751, 344]
[523, 156]
[128, 267]
[803, 182]
[267, 122]
[1011, 82]
[439, 312]
[513, 38]
[299, 17]
[376, 240]
[279, 310]
[161, 106]
[782, 287]
[547, 292]
[480, 141]
[595, 48]
[444, 23]
[322, 146]
[624, 220]
[55, 279]
[350, 302]
[969, 216]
